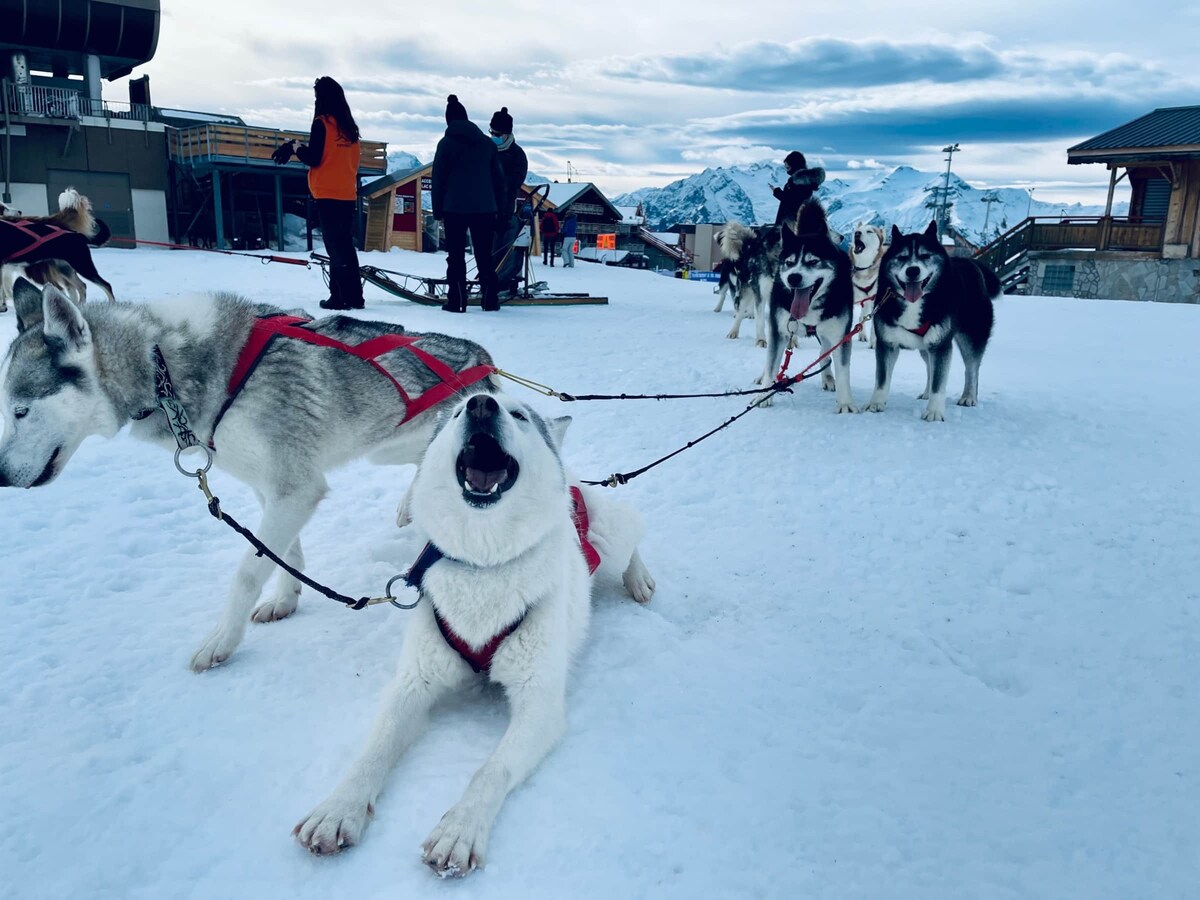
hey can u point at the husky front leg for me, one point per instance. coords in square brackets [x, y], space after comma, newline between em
[939, 372]
[459, 842]
[775, 347]
[425, 673]
[924, 395]
[841, 368]
[971, 360]
[885, 361]
[722, 293]
[283, 517]
[760, 315]
[287, 587]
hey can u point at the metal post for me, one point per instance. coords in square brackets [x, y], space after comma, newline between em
[218, 213]
[233, 236]
[94, 85]
[308, 222]
[1029, 206]
[989, 200]
[6, 198]
[949, 151]
[1112, 186]
[279, 211]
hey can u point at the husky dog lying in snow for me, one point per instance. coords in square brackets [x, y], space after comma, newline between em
[930, 302]
[866, 251]
[505, 591]
[755, 258]
[812, 296]
[301, 410]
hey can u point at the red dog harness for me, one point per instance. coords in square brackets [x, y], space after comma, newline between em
[480, 658]
[47, 233]
[267, 328]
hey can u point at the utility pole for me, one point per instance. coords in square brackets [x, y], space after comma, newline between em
[1030, 205]
[989, 199]
[568, 171]
[944, 215]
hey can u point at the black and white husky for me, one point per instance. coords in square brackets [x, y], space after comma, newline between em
[304, 409]
[812, 295]
[505, 595]
[754, 254]
[930, 301]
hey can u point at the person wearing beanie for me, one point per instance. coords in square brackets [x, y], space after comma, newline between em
[515, 166]
[468, 191]
[801, 185]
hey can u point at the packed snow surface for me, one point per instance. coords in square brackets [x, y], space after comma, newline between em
[886, 658]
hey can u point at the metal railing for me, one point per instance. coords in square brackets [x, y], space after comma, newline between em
[1071, 233]
[64, 103]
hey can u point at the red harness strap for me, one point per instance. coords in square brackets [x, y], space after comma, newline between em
[921, 331]
[36, 240]
[267, 328]
[480, 658]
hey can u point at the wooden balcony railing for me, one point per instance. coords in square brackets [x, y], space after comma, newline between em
[1075, 233]
[237, 144]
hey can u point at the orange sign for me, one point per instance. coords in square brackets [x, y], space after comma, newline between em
[606, 242]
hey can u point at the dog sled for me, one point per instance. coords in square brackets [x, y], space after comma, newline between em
[514, 272]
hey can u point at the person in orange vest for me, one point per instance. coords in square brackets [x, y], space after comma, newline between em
[332, 155]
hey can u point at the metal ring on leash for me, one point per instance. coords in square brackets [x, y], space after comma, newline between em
[387, 592]
[208, 454]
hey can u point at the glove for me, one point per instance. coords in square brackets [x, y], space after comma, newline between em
[283, 153]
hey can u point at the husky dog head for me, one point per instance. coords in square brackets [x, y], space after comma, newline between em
[914, 263]
[866, 246]
[50, 394]
[808, 260]
[492, 483]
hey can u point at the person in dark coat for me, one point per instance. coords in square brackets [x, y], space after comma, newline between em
[570, 229]
[550, 235]
[468, 192]
[802, 183]
[513, 161]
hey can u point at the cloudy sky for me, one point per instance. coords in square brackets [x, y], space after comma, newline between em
[639, 94]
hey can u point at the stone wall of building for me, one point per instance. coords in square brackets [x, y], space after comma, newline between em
[1114, 276]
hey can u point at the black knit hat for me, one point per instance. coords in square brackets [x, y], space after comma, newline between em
[502, 122]
[455, 111]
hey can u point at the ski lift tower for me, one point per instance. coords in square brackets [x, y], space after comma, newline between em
[944, 216]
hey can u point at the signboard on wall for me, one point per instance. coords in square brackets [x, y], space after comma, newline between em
[606, 242]
[427, 182]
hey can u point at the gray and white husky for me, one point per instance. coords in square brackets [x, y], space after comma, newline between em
[505, 595]
[755, 258]
[72, 372]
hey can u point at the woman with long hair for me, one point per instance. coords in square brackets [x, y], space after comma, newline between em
[332, 155]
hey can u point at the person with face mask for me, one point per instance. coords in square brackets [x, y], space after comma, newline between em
[802, 183]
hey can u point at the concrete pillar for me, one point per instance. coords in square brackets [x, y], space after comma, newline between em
[93, 84]
[279, 212]
[218, 212]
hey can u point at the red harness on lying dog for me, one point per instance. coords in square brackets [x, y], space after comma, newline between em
[267, 328]
[480, 658]
[46, 234]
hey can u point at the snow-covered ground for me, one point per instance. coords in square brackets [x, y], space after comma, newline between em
[886, 658]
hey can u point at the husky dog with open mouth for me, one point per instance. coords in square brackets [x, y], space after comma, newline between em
[930, 301]
[812, 296]
[866, 251]
[505, 584]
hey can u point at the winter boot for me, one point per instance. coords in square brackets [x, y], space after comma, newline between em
[456, 297]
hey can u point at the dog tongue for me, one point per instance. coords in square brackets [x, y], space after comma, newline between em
[481, 482]
[801, 301]
[913, 291]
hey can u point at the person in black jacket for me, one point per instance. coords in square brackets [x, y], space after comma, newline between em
[802, 183]
[515, 166]
[468, 192]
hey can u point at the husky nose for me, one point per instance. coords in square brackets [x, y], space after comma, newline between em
[793, 280]
[912, 273]
[482, 406]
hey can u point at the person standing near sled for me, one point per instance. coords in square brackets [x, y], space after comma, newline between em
[332, 157]
[550, 236]
[468, 193]
[570, 229]
[802, 183]
[515, 166]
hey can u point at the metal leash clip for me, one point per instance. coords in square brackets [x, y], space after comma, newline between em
[392, 599]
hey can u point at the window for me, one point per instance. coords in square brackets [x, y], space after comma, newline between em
[1058, 279]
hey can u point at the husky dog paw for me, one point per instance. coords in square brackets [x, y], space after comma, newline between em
[761, 342]
[964, 400]
[933, 415]
[638, 580]
[279, 608]
[828, 384]
[733, 335]
[862, 335]
[847, 407]
[216, 649]
[458, 844]
[403, 516]
[876, 405]
[335, 825]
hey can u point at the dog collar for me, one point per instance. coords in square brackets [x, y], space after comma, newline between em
[869, 287]
[922, 330]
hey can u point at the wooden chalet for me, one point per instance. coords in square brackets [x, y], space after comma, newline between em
[396, 211]
[1148, 254]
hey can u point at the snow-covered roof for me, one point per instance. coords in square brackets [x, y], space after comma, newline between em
[629, 215]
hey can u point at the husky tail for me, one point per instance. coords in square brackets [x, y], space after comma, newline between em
[75, 213]
[731, 238]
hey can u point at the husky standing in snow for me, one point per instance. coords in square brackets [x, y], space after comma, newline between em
[930, 302]
[866, 251]
[505, 595]
[301, 410]
[812, 295]
[755, 259]
[727, 282]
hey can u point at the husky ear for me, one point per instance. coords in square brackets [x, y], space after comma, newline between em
[27, 303]
[931, 231]
[812, 219]
[896, 235]
[62, 322]
[558, 429]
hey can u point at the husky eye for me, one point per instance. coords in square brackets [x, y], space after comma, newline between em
[20, 412]
[520, 416]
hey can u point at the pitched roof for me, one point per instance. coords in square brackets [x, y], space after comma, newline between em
[564, 194]
[379, 185]
[1166, 132]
